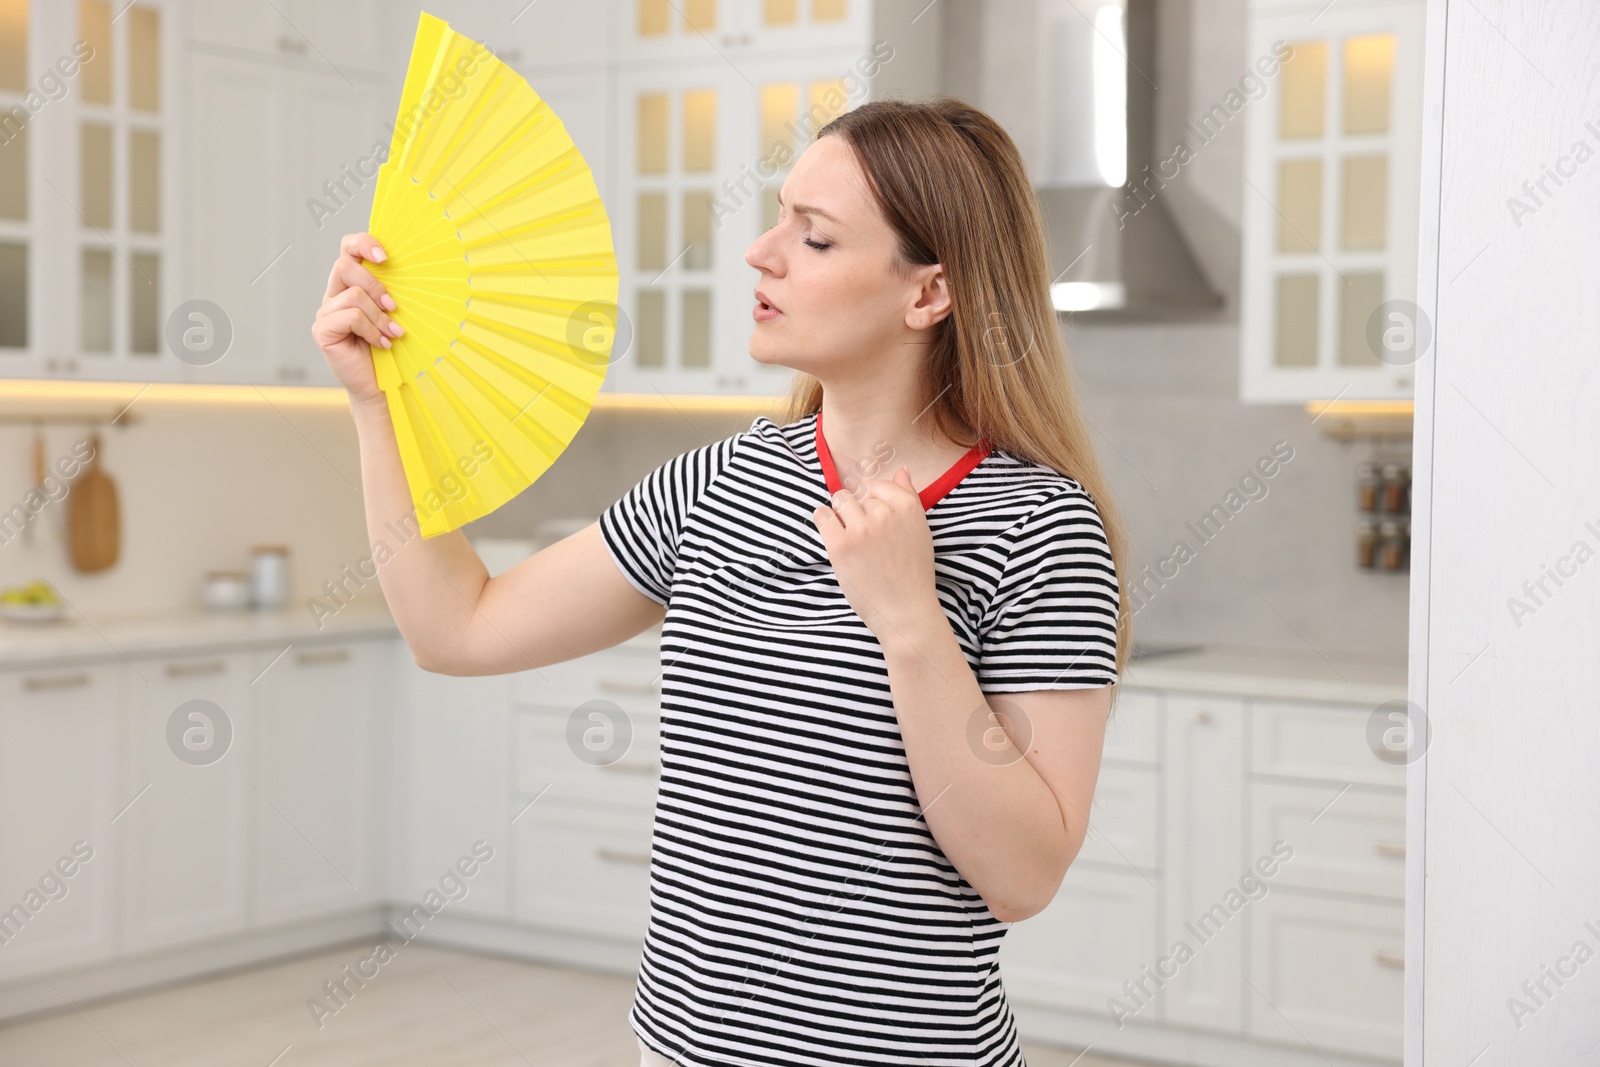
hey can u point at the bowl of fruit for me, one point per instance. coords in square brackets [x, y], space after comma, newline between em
[35, 602]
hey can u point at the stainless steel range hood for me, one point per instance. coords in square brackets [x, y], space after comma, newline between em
[1117, 254]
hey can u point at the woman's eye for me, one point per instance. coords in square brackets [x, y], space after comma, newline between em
[812, 244]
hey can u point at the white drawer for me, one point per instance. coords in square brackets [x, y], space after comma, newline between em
[1097, 933]
[584, 870]
[1332, 971]
[1356, 845]
[1301, 739]
[631, 679]
[1133, 733]
[1123, 823]
[546, 756]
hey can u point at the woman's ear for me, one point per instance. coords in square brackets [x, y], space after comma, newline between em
[933, 299]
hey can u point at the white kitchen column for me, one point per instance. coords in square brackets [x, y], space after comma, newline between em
[1503, 869]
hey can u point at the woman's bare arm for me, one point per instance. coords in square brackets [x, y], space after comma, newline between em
[565, 601]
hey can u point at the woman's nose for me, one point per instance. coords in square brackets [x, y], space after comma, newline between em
[760, 255]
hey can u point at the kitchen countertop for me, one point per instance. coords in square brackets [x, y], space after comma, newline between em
[182, 629]
[1357, 679]
[1269, 672]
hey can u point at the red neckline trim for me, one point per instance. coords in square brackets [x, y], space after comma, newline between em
[930, 494]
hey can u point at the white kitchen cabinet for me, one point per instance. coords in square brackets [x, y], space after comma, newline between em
[1098, 933]
[337, 134]
[453, 785]
[59, 740]
[315, 781]
[1328, 974]
[338, 37]
[1134, 731]
[1348, 840]
[545, 758]
[528, 36]
[1332, 169]
[582, 100]
[1305, 739]
[1205, 857]
[1125, 821]
[584, 869]
[285, 163]
[1195, 789]
[627, 675]
[185, 843]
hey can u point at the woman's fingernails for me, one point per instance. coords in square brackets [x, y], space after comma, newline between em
[387, 302]
[378, 255]
[395, 328]
[385, 341]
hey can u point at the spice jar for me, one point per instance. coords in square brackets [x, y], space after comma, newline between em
[1367, 485]
[1396, 488]
[1391, 546]
[269, 575]
[1366, 544]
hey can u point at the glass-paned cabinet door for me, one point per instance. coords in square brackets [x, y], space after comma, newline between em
[1330, 214]
[19, 188]
[86, 157]
[124, 167]
[677, 29]
[685, 135]
[773, 26]
[732, 29]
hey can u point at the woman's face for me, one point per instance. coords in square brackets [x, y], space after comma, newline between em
[834, 303]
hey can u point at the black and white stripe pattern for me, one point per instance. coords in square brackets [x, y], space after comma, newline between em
[800, 911]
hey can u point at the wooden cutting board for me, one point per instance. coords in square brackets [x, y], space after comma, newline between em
[94, 525]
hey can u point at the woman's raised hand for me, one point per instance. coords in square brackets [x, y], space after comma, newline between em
[352, 317]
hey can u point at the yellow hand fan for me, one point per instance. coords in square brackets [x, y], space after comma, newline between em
[501, 264]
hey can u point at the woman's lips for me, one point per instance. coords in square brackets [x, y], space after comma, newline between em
[764, 312]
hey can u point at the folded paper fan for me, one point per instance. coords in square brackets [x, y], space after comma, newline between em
[501, 264]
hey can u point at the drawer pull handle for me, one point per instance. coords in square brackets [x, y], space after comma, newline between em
[611, 685]
[634, 766]
[622, 856]
[1389, 848]
[1389, 959]
[332, 655]
[1202, 717]
[56, 681]
[189, 670]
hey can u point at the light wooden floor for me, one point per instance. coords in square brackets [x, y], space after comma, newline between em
[424, 1008]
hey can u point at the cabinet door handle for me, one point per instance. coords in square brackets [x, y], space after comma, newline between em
[1389, 959]
[331, 655]
[647, 766]
[56, 681]
[189, 670]
[1202, 716]
[611, 685]
[1389, 848]
[621, 856]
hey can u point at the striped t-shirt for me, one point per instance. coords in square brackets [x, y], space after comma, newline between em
[800, 910]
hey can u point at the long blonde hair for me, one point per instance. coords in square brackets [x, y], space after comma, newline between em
[953, 188]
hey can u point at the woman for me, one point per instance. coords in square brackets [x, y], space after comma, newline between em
[844, 827]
